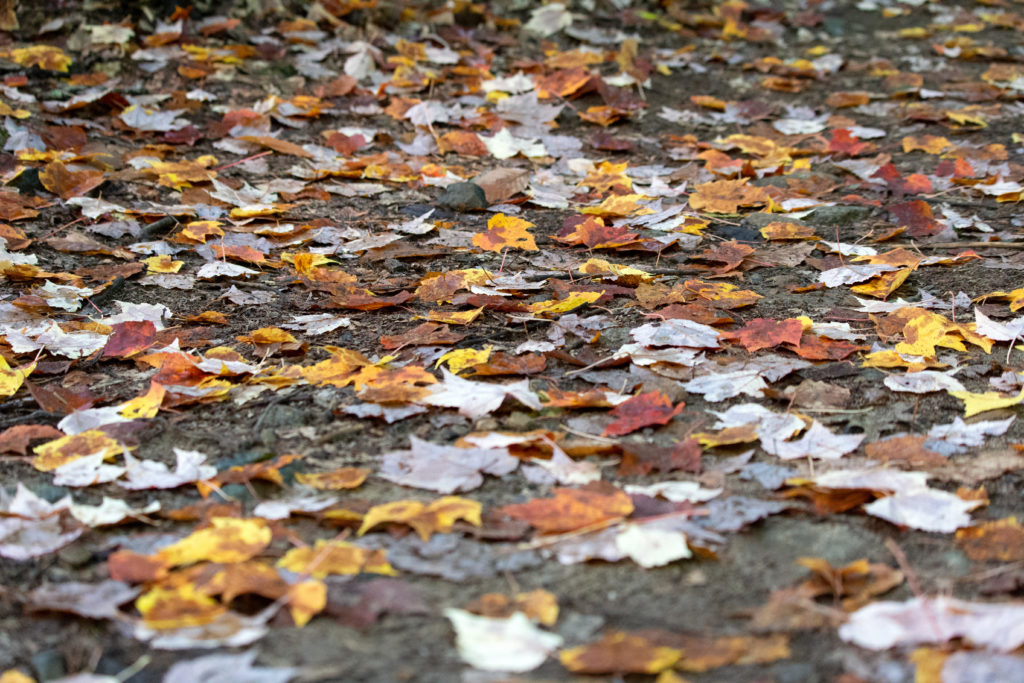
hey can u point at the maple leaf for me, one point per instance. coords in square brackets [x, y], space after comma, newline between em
[505, 232]
[438, 516]
[11, 380]
[983, 402]
[341, 478]
[643, 410]
[764, 333]
[620, 653]
[726, 196]
[60, 180]
[572, 509]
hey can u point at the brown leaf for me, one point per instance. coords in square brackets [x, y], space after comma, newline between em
[16, 439]
[1001, 540]
[60, 180]
[619, 652]
[499, 184]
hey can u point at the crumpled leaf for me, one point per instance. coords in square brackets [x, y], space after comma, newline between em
[437, 516]
[817, 442]
[514, 644]
[883, 625]
[225, 668]
[572, 509]
[619, 652]
[445, 469]
[642, 410]
[476, 399]
[31, 526]
[91, 600]
[150, 474]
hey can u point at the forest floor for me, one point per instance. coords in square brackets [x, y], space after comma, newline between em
[711, 377]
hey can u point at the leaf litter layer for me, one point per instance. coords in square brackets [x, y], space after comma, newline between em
[346, 342]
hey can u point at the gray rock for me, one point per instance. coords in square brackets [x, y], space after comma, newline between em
[49, 665]
[613, 337]
[463, 197]
[756, 221]
[75, 555]
[840, 216]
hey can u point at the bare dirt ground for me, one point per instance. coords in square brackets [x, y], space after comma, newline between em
[813, 354]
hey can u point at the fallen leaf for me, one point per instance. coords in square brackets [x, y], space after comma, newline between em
[510, 645]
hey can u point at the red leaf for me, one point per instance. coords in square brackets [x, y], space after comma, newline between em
[764, 333]
[643, 410]
[129, 338]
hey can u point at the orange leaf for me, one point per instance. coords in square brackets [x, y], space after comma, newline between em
[572, 509]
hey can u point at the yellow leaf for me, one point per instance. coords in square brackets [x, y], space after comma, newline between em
[177, 607]
[439, 516]
[257, 210]
[926, 331]
[53, 454]
[559, 306]
[335, 557]
[883, 285]
[268, 335]
[305, 600]
[891, 359]
[633, 276]
[11, 380]
[162, 264]
[145, 406]
[15, 676]
[929, 662]
[460, 359]
[781, 230]
[618, 205]
[342, 478]
[449, 509]
[989, 400]
[226, 540]
[44, 56]
[398, 512]
[452, 318]
[505, 232]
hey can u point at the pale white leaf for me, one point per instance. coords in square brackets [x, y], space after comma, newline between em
[650, 547]
[886, 624]
[514, 644]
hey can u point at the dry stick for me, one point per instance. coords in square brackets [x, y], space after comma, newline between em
[58, 229]
[149, 231]
[557, 274]
[969, 245]
[242, 161]
[915, 585]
